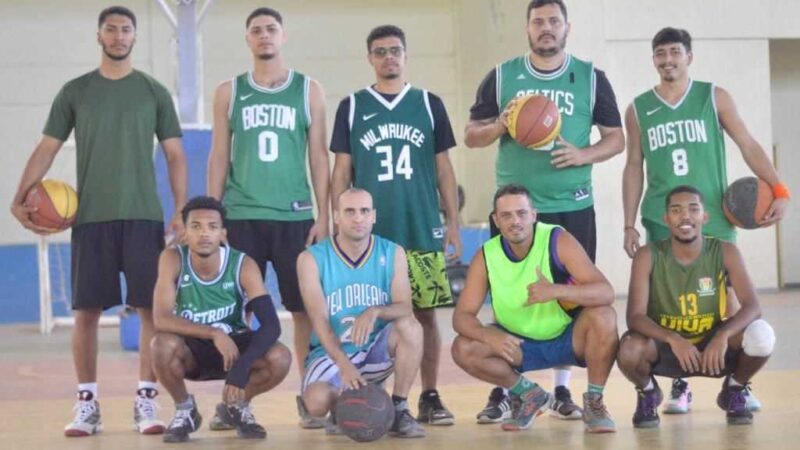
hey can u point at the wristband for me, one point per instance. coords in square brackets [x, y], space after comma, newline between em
[780, 190]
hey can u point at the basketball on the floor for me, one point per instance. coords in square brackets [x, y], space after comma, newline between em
[534, 122]
[365, 414]
[56, 203]
[746, 201]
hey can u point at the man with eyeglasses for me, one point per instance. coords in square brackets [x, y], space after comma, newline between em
[391, 140]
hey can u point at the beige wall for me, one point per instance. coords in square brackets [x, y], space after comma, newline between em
[452, 45]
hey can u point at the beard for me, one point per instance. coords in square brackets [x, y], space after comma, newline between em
[559, 46]
[685, 240]
[266, 56]
[117, 57]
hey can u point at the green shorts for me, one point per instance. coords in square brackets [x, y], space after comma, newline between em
[427, 272]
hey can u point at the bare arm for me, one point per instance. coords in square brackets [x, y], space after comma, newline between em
[465, 316]
[176, 167]
[632, 182]
[750, 309]
[482, 133]
[342, 177]
[448, 191]
[591, 288]
[219, 158]
[612, 141]
[164, 297]
[638, 296]
[38, 164]
[318, 162]
[401, 290]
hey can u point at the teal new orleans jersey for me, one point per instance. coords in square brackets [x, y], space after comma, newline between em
[350, 287]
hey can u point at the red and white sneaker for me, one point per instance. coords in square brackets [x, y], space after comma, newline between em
[87, 417]
[144, 413]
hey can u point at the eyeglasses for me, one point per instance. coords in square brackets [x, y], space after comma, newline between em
[381, 52]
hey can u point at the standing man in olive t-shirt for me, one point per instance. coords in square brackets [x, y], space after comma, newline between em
[560, 180]
[115, 111]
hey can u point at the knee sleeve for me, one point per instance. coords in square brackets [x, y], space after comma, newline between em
[758, 339]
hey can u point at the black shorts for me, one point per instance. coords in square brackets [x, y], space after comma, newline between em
[101, 250]
[580, 224]
[667, 364]
[280, 242]
[208, 363]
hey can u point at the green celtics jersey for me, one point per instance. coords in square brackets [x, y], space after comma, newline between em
[509, 280]
[218, 302]
[683, 144]
[689, 300]
[393, 150]
[267, 177]
[571, 88]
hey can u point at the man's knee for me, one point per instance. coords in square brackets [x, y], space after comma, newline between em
[632, 350]
[409, 330]
[165, 347]
[317, 398]
[758, 339]
[464, 352]
[602, 318]
[87, 318]
[278, 358]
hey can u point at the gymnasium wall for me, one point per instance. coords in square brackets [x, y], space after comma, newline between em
[451, 46]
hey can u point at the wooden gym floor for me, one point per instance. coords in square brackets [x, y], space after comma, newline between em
[37, 389]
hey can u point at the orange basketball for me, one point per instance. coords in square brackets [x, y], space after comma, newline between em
[57, 204]
[534, 122]
[746, 201]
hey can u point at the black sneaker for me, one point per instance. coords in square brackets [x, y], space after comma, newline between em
[497, 408]
[432, 411]
[646, 415]
[563, 407]
[185, 421]
[242, 417]
[734, 400]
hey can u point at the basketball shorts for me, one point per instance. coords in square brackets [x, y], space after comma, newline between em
[556, 352]
[580, 223]
[427, 272]
[375, 364]
[280, 242]
[667, 364]
[208, 360]
[101, 250]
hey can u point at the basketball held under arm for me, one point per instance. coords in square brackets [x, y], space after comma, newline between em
[38, 164]
[220, 155]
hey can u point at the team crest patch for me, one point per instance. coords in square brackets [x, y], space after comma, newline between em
[705, 287]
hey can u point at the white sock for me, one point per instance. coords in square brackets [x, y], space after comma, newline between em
[561, 377]
[650, 386]
[733, 382]
[91, 387]
[148, 385]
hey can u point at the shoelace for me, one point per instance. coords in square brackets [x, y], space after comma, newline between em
[516, 406]
[597, 408]
[84, 410]
[246, 415]
[182, 417]
[737, 400]
[147, 406]
[678, 388]
[496, 397]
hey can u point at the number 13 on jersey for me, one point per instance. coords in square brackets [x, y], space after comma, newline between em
[402, 167]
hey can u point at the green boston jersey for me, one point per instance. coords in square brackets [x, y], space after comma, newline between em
[114, 122]
[393, 150]
[218, 302]
[689, 300]
[683, 144]
[508, 283]
[267, 177]
[571, 88]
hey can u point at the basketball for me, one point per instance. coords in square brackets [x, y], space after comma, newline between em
[365, 414]
[534, 122]
[57, 204]
[746, 201]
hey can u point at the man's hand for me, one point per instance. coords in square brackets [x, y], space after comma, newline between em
[504, 117]
[351, 377]
[504, 344]
[317, 233]
[542, 290]
[775, 212]
[452, 237]
[22, 213]
[714, 354]
[227, 348]
[686, 352]
[175, 229]
[567, 156]
[631, 241]
[363, 326]
[232, 395]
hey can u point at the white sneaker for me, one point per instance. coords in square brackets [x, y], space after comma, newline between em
[144, 413]
[752, 403]
[87, 417]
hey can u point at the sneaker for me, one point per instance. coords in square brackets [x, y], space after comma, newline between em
[405, 426]
[87, 417]
[733, 399]
[432, 411]
[185, 421]
[752, 403]
[331, 427]
[596, 418]
[217, 424]
[497, 408]
[307, 421]
[646, 415]
[563, 407]
[242, 417]
[144, 413]
[526, 408]
[680, 398]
